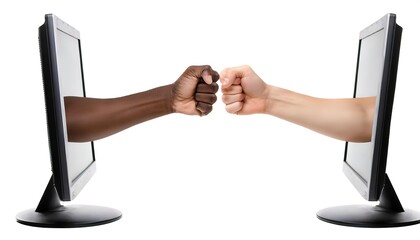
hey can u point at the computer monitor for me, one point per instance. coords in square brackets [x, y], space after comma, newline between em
[73, 164]
[365, 163]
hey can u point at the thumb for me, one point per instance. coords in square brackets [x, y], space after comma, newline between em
[206, 76]
[204, 73]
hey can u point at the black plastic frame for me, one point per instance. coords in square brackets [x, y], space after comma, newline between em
[50, 212]
[53, 99]
[371, 189]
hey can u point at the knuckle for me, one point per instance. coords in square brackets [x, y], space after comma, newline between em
[229, 109]
[213, 98]
[225, 98]
[214, 87]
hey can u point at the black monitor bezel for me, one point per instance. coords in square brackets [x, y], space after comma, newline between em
[67, 188]
[371, 189]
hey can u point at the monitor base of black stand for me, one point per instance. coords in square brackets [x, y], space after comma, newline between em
[72, 216]
[51, 214]
[368, 216]
[388, 213]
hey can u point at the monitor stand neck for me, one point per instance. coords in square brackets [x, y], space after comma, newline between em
[388, 213]
[50, 199]
[389, 199]
[50, 213]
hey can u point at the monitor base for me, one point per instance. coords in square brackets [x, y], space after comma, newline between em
[71, 216]
[368, 216]
[388, 213]
[51, 214]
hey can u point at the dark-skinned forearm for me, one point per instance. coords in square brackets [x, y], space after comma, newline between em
[90, 119]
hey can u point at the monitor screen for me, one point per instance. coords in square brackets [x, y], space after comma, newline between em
[365, 163]
[376, 72]
[359, 156]
[70, 75]
[73, 164]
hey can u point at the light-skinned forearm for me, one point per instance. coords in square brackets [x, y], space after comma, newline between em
[346, 119]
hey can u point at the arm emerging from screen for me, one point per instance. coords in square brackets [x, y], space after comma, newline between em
[349, 119]
[90, 119]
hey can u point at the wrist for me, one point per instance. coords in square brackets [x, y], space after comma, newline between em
[269, 99]
[157, 100]
[169, 98]
[275, 97]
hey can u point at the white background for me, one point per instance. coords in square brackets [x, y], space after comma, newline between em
[216, 177]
